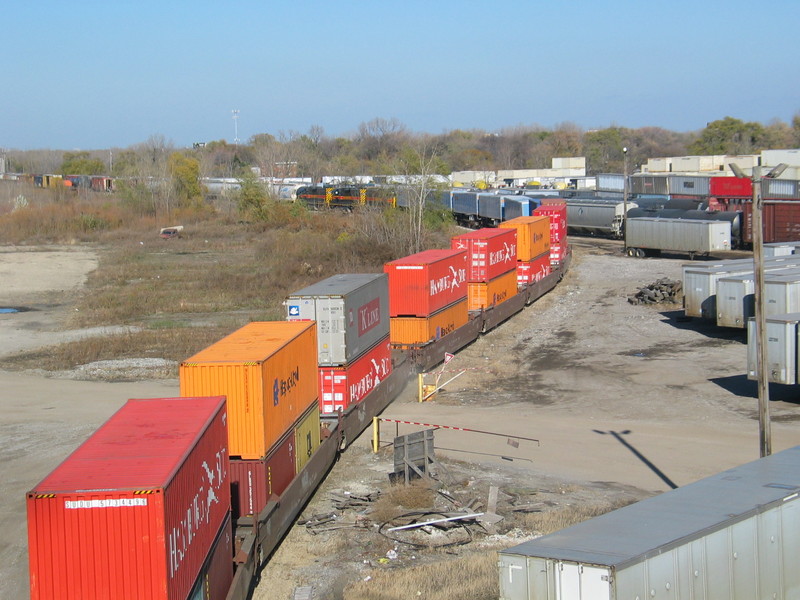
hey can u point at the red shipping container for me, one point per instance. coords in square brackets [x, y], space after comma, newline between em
[422, 283]
[216, 576]
[730, 187]
[253, 482]
[490, 252]
[557, 211]
[135, 510]
[339, 387]
[533, 270]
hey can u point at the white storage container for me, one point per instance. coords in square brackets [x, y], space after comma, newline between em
[351, 311]
[781, 348]
[733, 535]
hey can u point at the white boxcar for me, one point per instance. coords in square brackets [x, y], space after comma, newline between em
[781, 348]
[352, 314]
[733, 535]
[646, 235]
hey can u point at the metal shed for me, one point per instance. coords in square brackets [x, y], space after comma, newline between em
[732, 535]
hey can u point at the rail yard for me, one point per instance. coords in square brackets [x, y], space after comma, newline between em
[579, 362]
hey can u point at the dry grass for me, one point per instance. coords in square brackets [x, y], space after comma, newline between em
[472, 577]
[566, 516]
[189, 291]
[399, 498]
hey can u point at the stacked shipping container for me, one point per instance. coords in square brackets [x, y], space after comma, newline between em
[268, 372]
[492, 260]
[533, 247]
[427, 295]
[137, 509]
[354, 354]
[557, 211]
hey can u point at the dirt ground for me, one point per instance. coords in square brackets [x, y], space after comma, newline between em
[625, 401]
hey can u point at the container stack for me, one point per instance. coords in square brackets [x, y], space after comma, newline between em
[140, 510]
[491, 265]
[533, 247]
[557, 211]
[427, 296]
[268, 372]
[353, 349]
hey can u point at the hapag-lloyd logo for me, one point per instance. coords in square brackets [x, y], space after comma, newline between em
[362, 387]
[369, 316]
[507, 254]
[451, 281]
[198, 510]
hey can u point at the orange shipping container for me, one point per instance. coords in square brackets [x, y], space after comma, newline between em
[533, 236]
[498, 290]
[306, 437]
[268, 371]
[406, 331]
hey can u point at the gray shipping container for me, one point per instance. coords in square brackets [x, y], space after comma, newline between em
[490, 206]
[650, 184]
[465, 203]
[781, 348]
[610, 182]
[680, 235]
[351, 311]
[733, 535]
[684, 185]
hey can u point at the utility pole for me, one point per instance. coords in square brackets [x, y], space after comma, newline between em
[764, 425]
[624, 198]
[235, 112]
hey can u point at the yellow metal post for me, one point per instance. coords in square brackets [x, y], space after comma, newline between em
[421, 386]
[376, 434]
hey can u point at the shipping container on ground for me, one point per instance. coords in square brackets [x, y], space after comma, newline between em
[342, 386]
[488, 294]
[267, 371]
[533, 236]
[306, 437]
[423, 283]
[135, 510]
[781, 348]
[651, 236]
[413, 331]
[736, 295]
[351, 311]
[533, 270]
[490, 252]
[253, 482]
[700, 281]
[732, 535]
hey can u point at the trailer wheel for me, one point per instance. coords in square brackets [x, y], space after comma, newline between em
[691, 255]
[631, 252]
[639, 253]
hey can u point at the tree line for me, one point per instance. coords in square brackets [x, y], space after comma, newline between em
[387, 146]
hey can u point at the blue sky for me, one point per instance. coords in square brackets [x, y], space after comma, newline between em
[93, 75]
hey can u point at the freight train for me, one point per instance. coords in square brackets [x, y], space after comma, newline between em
[185, 498]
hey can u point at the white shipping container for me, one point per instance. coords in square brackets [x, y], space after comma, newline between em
[680, 235]
[659, 165]
[781, 294]
[733, 535]
[352, 314]
[772, 158]
[781, 348]
[735, 301]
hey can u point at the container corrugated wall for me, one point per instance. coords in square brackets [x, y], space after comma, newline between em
[533, 270]
[684, 185]
[254, 481]
[408, 331]
[465, 203]
[307, 437]
[533, 236]
[610, 182]
[135, 510]
[649, 184]
[490, 252]
[425, 282]
[730, 187]
[339, 387]
[352, 314]
[490, 206]
[781, 349]
[217, 574]
[492, 293]
[268, 372]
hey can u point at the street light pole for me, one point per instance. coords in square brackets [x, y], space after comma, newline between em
[624, 198]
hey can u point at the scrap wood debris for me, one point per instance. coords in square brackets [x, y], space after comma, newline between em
[664, 290]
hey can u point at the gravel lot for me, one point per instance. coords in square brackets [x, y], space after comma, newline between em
[625, 400]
